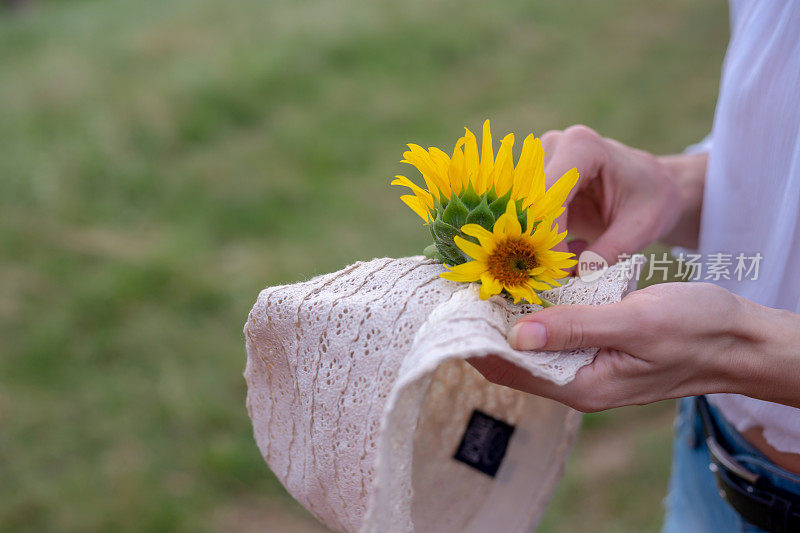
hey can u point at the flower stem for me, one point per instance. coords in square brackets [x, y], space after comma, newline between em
[546, 303]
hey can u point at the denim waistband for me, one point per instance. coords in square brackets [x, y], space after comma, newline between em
[750, 457]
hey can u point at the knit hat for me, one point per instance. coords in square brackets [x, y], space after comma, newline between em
[365, 409]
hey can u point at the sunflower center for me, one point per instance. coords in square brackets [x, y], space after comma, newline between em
[511, 261]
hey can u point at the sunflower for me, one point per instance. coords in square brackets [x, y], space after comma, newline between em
[476, 204]
[508, 259]
[471, 177]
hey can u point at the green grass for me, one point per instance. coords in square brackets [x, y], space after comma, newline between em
[161, 162]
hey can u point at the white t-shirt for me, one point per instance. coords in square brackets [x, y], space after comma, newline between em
[752, 193]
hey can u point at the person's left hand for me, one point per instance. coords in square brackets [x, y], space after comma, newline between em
[665, 341]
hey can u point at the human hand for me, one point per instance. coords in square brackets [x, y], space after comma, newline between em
[625, 198]
[665, 341]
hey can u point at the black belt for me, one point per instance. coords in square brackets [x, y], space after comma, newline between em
[756, 499]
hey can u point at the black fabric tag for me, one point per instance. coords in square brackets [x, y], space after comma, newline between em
[484, 443]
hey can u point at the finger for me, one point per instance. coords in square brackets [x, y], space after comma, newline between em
[586, 214]
[577, 246]
[550, 140]
[502, 372]
[566, 327]
[578, 147]
[626, 235]
[588, 392]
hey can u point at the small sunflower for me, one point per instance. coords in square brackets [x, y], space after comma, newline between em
[508, 259]
[476, 204]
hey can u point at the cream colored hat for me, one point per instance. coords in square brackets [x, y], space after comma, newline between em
[365, 409]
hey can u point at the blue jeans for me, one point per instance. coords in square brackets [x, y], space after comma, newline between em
[693, 502]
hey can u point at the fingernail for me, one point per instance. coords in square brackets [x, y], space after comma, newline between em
[577, 246]
[527, 336]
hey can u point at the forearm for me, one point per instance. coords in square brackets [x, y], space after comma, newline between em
[689, 174]
[767, 366]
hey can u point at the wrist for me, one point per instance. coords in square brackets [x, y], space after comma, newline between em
[687, 172]
[767, 358]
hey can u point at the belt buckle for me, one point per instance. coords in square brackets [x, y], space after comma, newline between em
[719, 454]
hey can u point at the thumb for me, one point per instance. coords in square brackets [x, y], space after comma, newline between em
[572, 326]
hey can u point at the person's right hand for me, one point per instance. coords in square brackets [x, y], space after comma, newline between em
[625, 198]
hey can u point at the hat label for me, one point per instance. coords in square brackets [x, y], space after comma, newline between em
[484, 443]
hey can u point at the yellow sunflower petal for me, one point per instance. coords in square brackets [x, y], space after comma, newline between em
[470, 271]
[507, 225]
[433, 189]
[555, 238]
[552, 255]
[482, 234]
[553, 261]
[538, 285]
[557, 194]
[524, 173]
[471, 249]
[544, 230]
[564, 270]
[457, 170]
[442, 163]
[537, 184]
[503, 172]
[556, 269]
[489, 286]
[471, 159]
[418, 191]
[555, 211]
[516, 292]
[417, 206]
[487, 159]
[550, 280]
[542, 208]
[529, 225]
[421, 158]
[522, 292]
[552, 277]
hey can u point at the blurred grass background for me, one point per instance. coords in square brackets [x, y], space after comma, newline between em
[161, 162]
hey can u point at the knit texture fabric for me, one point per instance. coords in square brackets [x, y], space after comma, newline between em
[360, 394]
